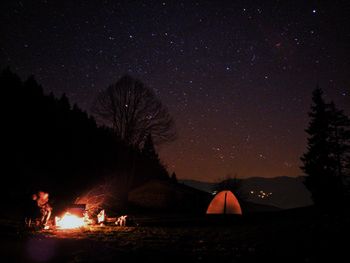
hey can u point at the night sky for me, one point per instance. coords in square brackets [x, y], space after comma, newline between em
[236, 76]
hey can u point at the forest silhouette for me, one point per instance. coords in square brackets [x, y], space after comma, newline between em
[52, 145]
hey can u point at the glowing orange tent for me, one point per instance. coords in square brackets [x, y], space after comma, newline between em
[224, 202]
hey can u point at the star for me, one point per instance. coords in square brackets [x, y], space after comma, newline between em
[242, 73]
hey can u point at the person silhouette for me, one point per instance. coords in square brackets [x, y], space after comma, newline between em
[45, 208]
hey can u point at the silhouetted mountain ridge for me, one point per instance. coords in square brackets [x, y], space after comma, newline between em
[287, 192]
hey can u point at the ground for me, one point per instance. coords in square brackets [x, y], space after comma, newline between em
[274, 237]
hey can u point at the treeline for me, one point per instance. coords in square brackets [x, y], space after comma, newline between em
[52, 145]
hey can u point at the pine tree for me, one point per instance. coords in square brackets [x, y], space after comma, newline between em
[173, 177]
[325, 161]
[152, 168]
[149, 149]
[340, 141]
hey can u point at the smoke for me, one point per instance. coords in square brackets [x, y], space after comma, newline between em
[110, 195]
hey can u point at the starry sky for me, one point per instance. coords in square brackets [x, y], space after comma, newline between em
[237, 76]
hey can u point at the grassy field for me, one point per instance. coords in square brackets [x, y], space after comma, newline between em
[276, 237]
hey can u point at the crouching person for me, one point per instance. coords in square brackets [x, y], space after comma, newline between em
[45, 209]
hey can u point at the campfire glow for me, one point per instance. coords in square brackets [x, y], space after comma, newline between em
[69, 221]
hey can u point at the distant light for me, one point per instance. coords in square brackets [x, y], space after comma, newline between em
[314, 11]
[252, 192]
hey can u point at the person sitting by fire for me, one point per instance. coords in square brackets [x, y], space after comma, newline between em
[45, 208]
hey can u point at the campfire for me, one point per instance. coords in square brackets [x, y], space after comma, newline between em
[72, 221]
[75, 217]
[69, 221]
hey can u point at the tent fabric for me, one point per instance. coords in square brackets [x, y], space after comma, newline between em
[224, 202]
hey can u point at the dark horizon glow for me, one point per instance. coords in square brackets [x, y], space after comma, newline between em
[237, 77]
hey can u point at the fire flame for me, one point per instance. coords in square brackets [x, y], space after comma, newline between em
[69, 221]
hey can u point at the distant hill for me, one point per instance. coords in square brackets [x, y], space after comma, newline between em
[203, 186]
[282, 192]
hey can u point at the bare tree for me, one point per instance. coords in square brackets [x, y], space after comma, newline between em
[133, 111]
